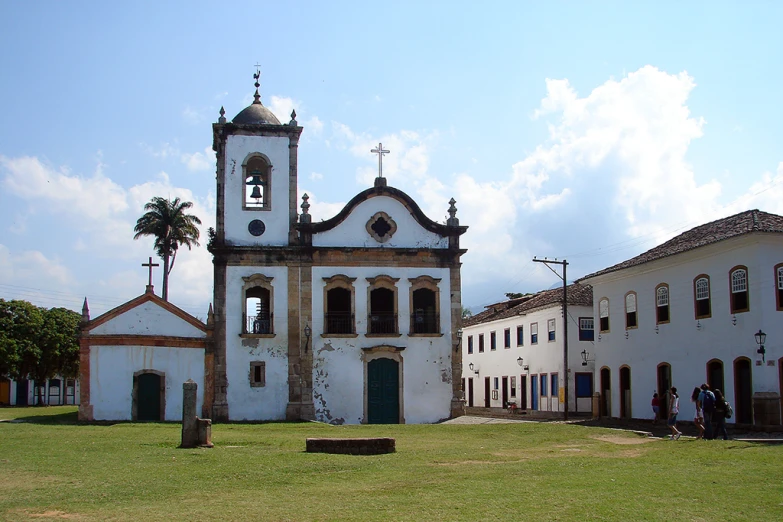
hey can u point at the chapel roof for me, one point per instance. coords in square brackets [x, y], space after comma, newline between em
[740, 224]
[256, 114]
[578, 295]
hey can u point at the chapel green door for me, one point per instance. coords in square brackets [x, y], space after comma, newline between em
[148, 398]
[383, 392]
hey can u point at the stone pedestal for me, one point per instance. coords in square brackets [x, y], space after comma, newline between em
[195, 432]
[596, 405]
[766, 409]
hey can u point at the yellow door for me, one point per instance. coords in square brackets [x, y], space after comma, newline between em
[5, 392]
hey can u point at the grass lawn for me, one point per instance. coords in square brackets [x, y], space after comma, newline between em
[54, 469]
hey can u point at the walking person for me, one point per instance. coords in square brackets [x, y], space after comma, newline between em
[720, 415]
[707, 400]
[698, 419]
[656, 408]
[674, 409]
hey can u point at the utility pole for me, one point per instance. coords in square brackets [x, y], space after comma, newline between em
[564, 264]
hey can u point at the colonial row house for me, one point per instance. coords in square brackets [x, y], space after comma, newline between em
[705, 306]
[56, 391]
[349, 320]
[513, 352]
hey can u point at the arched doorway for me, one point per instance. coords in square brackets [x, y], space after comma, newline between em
[606, 392]
[625, 392]
[715, 375]
[383, 391]
[149, 396]
[743, 391]
[664, 384]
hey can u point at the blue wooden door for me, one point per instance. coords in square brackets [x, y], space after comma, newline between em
[383, 392]
[534, 392]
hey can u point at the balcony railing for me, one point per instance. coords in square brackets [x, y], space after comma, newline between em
[258, 324]
[339, 323]
[382, 323]
[425, 323]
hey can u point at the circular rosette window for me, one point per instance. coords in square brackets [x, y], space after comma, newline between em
[381, 227]
[256, 227]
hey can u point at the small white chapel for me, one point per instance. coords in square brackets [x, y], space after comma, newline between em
[346, 321]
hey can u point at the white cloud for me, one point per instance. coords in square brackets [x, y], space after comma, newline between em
[32, 268]
[199, 160]
[281, 107]
[192, 116]
[316, 176]
[314, 125]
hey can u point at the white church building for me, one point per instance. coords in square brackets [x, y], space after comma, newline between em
[349, 320]
[705, 306]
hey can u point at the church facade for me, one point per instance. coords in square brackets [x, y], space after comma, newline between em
[346, 321]
[349, 320]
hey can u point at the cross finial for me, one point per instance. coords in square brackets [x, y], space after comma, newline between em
[256, 76]
[380, 152]
[150, 264]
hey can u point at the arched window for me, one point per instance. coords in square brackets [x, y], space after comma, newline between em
[257, 186]
[257, 309]
[630, 310]
[779, 285]
[603, 314]
[701, 296]
[738, 281]
[382, 297]
[424, 305]
[662, 303]
[339, 311]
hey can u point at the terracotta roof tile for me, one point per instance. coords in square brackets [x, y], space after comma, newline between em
[578, 295]
[740, 224]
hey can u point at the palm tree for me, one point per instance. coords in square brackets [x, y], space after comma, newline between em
[172, 227]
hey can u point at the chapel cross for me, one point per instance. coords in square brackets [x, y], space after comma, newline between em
[380, 152]
[150, 264]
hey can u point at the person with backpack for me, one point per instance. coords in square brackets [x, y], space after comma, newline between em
[722, 408]
[698, 419]
[707, 402]
[674, 409]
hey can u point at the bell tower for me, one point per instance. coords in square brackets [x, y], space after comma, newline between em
[256, 214]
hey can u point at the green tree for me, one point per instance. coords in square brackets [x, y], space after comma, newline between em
[171, 227]
[466, 313]
[20, 325]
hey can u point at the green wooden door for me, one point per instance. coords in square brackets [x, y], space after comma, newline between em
[148, 398]
[383, 395]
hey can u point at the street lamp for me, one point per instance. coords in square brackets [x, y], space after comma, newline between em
[307, 332]
[586, 358]
[459, 339]
[521, 363]
[472, 369]
[761, 338]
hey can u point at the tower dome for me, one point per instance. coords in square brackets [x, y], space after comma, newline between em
[256, 113]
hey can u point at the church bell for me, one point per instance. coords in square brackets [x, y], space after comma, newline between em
[256, 183]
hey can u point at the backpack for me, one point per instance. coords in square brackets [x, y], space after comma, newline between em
[709, 402]
[729, 410]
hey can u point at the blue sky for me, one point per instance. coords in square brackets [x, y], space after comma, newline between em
[591, 131]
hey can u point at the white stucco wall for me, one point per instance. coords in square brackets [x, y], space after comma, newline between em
[680, 343]
[111, 377]
[256, 403]
[545, 357]
[276, 219]
[352, 232]
[148, 319]
[338, 367]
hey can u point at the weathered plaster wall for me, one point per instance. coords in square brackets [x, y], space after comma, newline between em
[353, 232]
[148, 319]
[679, 343]
[338, 367]
[544, 357]
[236, 219]
[257, 403]
[111, 377]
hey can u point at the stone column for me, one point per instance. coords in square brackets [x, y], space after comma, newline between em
[189, 419]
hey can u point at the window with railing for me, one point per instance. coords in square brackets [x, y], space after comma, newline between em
[382, 316]
[339, 316]
[424, 305]
[257, 314]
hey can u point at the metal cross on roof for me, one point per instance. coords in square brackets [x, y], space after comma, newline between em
[150, 264]
[380, 152]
